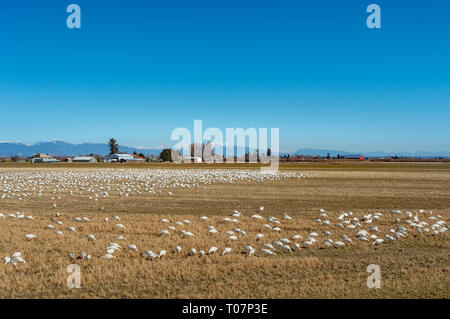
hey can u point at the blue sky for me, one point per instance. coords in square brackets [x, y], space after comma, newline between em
[138, 69]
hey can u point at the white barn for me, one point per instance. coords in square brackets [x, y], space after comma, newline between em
[84, 159]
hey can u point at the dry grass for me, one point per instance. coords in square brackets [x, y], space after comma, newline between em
[415, 267]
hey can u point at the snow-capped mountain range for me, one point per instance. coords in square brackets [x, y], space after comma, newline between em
[60, 148]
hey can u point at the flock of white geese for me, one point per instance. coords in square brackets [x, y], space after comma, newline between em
[226, 235]
[95, 184]
[363, 228]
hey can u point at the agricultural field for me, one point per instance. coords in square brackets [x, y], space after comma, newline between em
[225, 231]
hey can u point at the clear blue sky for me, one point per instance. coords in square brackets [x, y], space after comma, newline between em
[138, 69]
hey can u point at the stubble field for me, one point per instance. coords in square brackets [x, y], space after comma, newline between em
[412, 265]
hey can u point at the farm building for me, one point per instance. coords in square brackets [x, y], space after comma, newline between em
[354, 156]
[84, 159]
[122, 158]
[43, 158]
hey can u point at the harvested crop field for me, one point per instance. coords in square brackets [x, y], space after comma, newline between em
[339, 219]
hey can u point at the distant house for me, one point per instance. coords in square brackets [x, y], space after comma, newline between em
[122, 158]
[43, 158]
[84, 159]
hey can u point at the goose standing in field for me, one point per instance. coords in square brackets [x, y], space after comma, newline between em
[212, 250]
[250, 250]
[339, 244]
[112, 249]
[132, 247]
[278, 243]
[378, 241]
[227, 250]
[346, 239]
[150, 255]
[307, 243]
[327, 243]
[268, 246]
[259, 236]
[108, 256]
[212, 231]
[267, 251]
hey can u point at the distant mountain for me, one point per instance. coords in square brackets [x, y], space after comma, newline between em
[333, 153]
[60, 148]
[319, 152]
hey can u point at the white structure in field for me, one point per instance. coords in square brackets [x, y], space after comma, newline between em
[122, 158]
[84, 159]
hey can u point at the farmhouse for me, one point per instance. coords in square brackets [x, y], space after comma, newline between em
[122, 158]
[43, 158]
[84, 159]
